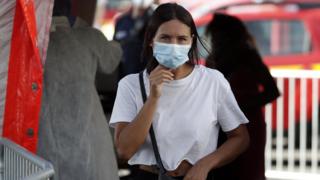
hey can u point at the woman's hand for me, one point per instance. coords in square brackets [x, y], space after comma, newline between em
[198, 172]
[157, 77]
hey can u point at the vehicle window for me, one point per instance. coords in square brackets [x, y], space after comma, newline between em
[201, 30]
[294, 38]
[261, 31]
[204, 46]
[275, 38]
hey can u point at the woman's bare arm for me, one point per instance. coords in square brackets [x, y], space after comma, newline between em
[237, 143]
[130, 136]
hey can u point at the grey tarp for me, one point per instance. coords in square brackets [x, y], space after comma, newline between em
[7, 8]
[74, 133]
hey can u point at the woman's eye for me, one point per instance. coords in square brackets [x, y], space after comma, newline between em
[183, 40]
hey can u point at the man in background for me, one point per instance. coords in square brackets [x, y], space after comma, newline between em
[129, 31]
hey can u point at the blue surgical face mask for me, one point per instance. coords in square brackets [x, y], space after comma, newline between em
[171, 55]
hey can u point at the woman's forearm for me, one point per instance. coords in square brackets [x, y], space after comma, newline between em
[133, 135]
[130, 136]
[237, 143]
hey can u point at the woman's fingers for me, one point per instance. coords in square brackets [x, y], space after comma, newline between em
[161, 77]
[161, 70]
[161, 74]
[157, 77]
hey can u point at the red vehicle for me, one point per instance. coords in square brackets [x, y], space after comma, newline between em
[287, 34]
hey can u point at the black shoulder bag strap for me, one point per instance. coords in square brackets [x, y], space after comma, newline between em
[153, 138]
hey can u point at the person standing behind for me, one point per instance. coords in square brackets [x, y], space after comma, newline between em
[236, 56]
[129, 32]
[186, 104]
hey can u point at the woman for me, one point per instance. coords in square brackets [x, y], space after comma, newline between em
[186, 105]
[236, 56]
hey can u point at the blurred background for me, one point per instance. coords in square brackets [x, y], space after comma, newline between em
[287, 34]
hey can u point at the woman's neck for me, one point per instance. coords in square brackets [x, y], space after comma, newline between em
[182, 71]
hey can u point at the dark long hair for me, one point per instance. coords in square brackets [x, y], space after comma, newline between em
[166, 12]
[232, 44]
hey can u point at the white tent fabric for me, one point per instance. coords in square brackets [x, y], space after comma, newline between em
[7, 8]
[7, 11]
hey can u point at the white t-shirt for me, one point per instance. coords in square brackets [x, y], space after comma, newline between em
[189, 114]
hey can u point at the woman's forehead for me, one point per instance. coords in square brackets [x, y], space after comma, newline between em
[174, 27]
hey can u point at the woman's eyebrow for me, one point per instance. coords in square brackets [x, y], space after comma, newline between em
[179, 36]
[183, 36]
[165, 35]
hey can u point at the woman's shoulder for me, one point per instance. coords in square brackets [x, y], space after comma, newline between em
[130, 79]
[209, 73]
[213, 77]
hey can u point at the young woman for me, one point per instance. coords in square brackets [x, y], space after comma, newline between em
[186, 105]
[236, 56]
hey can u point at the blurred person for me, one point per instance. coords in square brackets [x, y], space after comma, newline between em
[73, 132]
[186, 104]
[236, 56]
[129, 31]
